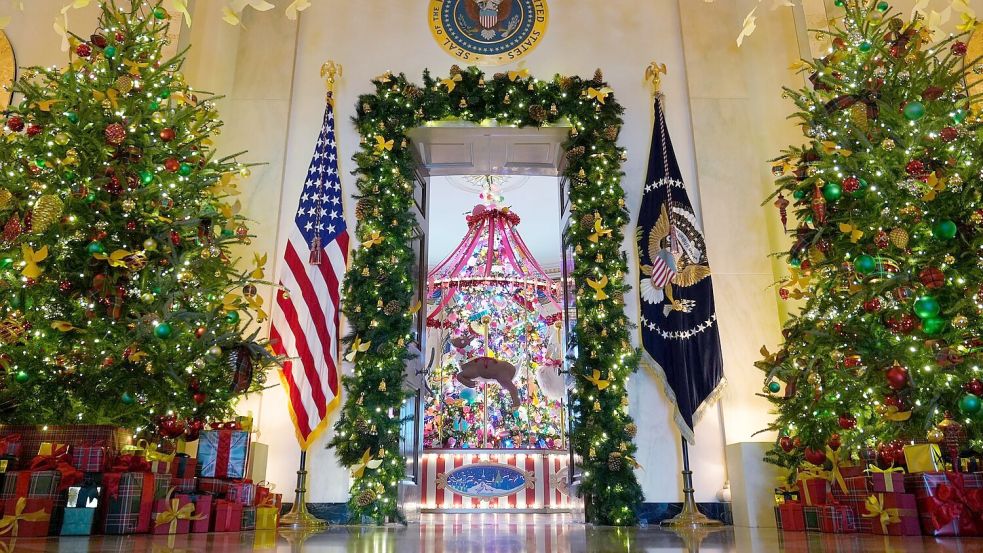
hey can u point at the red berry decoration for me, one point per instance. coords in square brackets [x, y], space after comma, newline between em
[786, 444]
[975, 387]
[959, 49]
[834, 442]
[815, 456]
[915, 167]
[948, 134]
[170, 426]
[120, 37]
[783, 293]
[193, 429]
[175, 238]
[65, 286]
[172, 164]
[931, 278]
[200, 397]
[872, 305]
[33, 129]
[167, 134]
[850, 185]
[897, 377]
[847, 422]
[115, 134]
[15, 123]
[83, 50]
[851, 361]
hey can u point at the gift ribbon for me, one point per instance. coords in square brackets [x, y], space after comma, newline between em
[809, 473]
[9, 523]
[223, 450]
[875, 509]
[146, 502]
[122, 464]
[232, 514]
[60, 461]
[176, 512]
[888, 475]
[835, 475]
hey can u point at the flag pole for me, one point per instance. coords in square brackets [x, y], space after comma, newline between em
[299, 518]
[690, 516]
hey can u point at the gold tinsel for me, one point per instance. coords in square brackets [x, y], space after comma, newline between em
[47, 211]
[12, 329]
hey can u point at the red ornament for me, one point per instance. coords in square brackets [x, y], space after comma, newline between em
[886, 456]
[172, 164]
[232, 425]
[975, 387]
[902, 293]
[83, 50]
[847, 422]
[15, 123]
[783, 293]
[851, 361]
[215, 425]
[99, 40]
[120, 37]
[200, 331]
[931, 278]
[170, 426]
[200, 397]
[959, 49]
[65, 286]
[894, 401]
[785, 443]
[815, 456]
[932, 93]
[872, 305]
[115, 134]
[33, 129]
[850, 185]
[881, 239]
[131, 225]
[915, 167]
[167, 134]
[897, 377]
[948, 134]
[175, 238]
[193, 429]
[834, 442]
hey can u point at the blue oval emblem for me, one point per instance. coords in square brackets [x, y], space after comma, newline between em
[488, 31]
[486, 480]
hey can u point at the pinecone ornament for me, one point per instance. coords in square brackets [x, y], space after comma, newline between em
[610, 133]
[455, 70]
[598, 76]
[575, 152]
[12, 229]
[413, 92]
[391, 308]
[899, 238]
[47, 211]
[537, 113]
[587, 221]
[631, 429]
[566, 83]
[124, 84]
[615, 461]
[365, 498]
[361, 209]
[5, 197]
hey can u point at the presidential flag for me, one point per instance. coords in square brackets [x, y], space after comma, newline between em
[678, 322]
[307, 312]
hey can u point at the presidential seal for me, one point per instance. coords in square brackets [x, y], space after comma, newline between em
[488, 32]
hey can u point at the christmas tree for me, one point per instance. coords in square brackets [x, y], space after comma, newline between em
[886, 251]
[119, 298]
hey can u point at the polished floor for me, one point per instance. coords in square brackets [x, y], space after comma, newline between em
[501, 533]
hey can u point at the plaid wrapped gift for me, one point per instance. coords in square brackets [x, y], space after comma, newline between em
[130, 500]
[894, 514]
[184, 466]
[248, 518]
[264, 490]
[858, 505]
[91, 457]
[10, 444]
[173, 514]
[223, 453]
[77, 521]
[837, 519]
[203, 513]
[42, 484]
[227, 516]
[26, 517]
[33, 435]
[887, 480]
[949, 503]
[243, 492]
[185, 485]
[214, 486]
[923, 458]
[811, 515]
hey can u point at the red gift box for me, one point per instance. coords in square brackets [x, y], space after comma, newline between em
[91, 457]
[214, 486]
[243, 492]
[227, 517]
[792, 517]
[813, 491]
[203, 513]
[837, 519]
[893, 514]
[185, 485]
[184, 466]
[887, 480]
[32, 436]
[949, 503]
[263, 490]
[26, 517]
[173, 514]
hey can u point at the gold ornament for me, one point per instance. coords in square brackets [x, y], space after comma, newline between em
[463, 103]
[5, 197]
[960, 321]
[935, 435]
[899, 238]
[507, 100]
[124, 84]
[597, 406]
[887, 144]
[382, 385]
[631, 429]
[61, 139]
[813, 378]
[47, 211]
[157, 117]
[12, 329]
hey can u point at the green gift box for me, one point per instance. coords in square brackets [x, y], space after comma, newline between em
[77, 521]
[248, 518]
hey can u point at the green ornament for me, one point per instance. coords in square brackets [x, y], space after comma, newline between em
[861, 190]
[90, 197]
[969, 404]
[865, 264]
[232, 317]
[72, 116]
[163, 331]
[883, 6]
[774, 387]
[164, 93]
[95, 247]
[154, 105]
[799, 194]
[127, 398]
[832, 191]
[22, 377]
[926, 307]
[933, 325]
[146, 176]
[70, 175]
[808, 218]
[160, 13]
[944, 230]
[795, 262]
[109, 51]
[39, 162]
[839, 3]
[865, 46]
[227, 233]
[185, 169]
[914, 111]
[959, 115]
[6, 263]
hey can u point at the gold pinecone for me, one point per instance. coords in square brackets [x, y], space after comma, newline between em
[455, 70]
[537, 113]
[500, 76]
[47, 211]
[615, 462]
[361, 208]
[631, 429]
[598, 76]
[610, 133]
[587, 220]
[391, 308]
[566, 83]
[898, 237]
[412, 91]
[366, 498]
[575, 152]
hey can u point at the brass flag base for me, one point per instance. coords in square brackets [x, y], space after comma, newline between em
[690, 516]
[298, 518]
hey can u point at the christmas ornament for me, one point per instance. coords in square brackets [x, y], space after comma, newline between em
[365, 498]
[897, 377]
[899, 238]
[163, 331]
[241, 362]
[975, 387]
[615, 461]
[199, 397]
[815, 456]
[944, 230]
[774, 387]
[172, 165]
[914, 111]
[969, 404]
[847, 422]
[834, 442]
[47, 210]
[83, 50]
[872, 305]
[115, 134]
[865, 264]
[126, 398]
[15, 123]
[934, 435]
[167, 134]
[786, 444]
[933, 325]
[22, 377]
[926, 307]
[832, 191]
[931, 278]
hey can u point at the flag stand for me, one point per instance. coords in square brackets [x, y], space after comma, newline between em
[298, 518]
[690, 516]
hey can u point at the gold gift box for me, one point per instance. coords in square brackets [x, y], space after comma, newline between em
[923, 458]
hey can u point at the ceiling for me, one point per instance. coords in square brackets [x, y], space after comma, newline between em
[536, 201]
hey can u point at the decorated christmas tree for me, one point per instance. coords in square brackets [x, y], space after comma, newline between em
[885, 255]
[119, 297]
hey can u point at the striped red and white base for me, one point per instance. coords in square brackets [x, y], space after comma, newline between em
[548, 494]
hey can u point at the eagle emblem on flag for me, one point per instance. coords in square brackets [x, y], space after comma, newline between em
[678, 255]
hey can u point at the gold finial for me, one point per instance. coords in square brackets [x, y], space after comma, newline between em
[329, 72]
[653, 74]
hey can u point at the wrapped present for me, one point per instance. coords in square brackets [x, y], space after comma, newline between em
[248, 518]
[32, 436]
[813, 486]
[887, 480]
[52, 449]
[7, 463]
[203, 513]
[26, 517]
[91, 456]
[278, 500]
[837, 519]
[227, 516]
[185, 485]
[836, 475]
[258, 456]
[184, 466]
[130, 498]
[969, 461]
[173, 514]
[242, 491]
[267, 517]
[223, 453]
[949, 503]
[893, 514]
[264, 490]
[10, 445]
[954, 438]
[58, 460]
[924, 458]
[214, 486]
[852, 470]
[44, 484]
[77, 521]
[810, 513]
[859, 485]
[245, 422]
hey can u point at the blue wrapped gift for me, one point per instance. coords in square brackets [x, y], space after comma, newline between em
[223, 453]
[77, 521]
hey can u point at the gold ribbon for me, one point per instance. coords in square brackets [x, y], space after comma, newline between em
[31, 259]
[808, 473]
[888, 482]
[599, 94]
[875, 509]
[154, 455]
[10, 522]
[176, 512]
[835, 475]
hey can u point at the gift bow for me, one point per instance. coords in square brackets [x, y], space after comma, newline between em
[888, 480]
[451, 82]
[520, 74]
[375, 238]
[10, 522]
[875, 509]
[154, 455]
[55, 457]
[835, 475]
[175, 513]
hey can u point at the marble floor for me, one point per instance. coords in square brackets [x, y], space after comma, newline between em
[501, 533]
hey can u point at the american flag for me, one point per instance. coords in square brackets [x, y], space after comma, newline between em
[306, 315]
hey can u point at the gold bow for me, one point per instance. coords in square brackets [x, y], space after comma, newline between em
[599, 94]
[875, 509]
[830, 147]
[595, 379]
[111, 93]
[115, 259]
[366, 462]
[892, 413]
[451, 82]
[383, 145]
[598, 286]
[935, 185]
[835, 475]
[260, 262]
[31, 260]
[599, 231]
[855, 233]
[10, 522]
[135, 66]
[520, 74]
[375, 238]
[357, 347]
[176, 512]
[154, 455]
